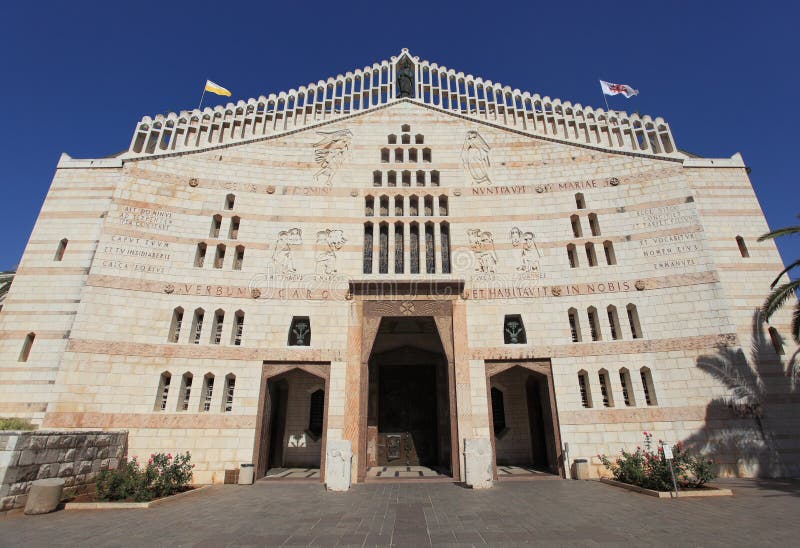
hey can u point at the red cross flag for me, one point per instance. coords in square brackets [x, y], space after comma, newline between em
[616, 89]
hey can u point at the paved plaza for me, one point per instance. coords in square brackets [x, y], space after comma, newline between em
[545, 513]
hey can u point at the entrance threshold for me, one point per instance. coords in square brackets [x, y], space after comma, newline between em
[306, 475]
[511, 472]
[405, 474]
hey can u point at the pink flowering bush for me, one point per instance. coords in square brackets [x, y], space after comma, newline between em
[162, 476]
[649, 469]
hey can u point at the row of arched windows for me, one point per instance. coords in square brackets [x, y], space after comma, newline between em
[418, 178]
[400, 206]
[591, 254]
[411, 155]
[184, 399]
[577, 228]
[216, 335]
[405, 138]
[594, 323]
[406, 248]
[219, 256]
[233, 228]
[625, 387]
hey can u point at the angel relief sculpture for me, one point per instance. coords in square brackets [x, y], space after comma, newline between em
[329, 153]
[475, 157]
[529, 260]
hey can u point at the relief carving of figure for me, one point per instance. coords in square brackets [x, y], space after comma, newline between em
[329, 153]
[475, 157]
[328, 243]
[482, 245]
[282, 256]
[529, 261]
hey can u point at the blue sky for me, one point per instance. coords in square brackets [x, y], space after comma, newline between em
[78, 75]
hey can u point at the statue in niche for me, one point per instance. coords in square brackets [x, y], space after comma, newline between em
[405, 78]
[282, 256]
[529, 261]
[475, 157]
[482, 245]
[329, 153]
[328, 243]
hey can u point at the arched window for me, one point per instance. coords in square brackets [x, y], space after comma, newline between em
[420, 178]
[27, 344]
[594, 225]
[443, 206]
[385, 155]
[605, 388]
[216, 223]
[383, 248]
[300, 331]
[742, 247]
[576, 226]
[197, 325]
[405, 139]
[426, 155]
[498, 412]
[419, 139]
[219, 258]
[777, 342]
[434, 178]
[163, 391]
[406, 178]
[633, 320]
[405, 128]
[230, 386]
[216, 328]
[514, 330]
[647, 386]
[238, 328]
[230, 199]
[316, 413]
[585, 390]
[368, 248]
[398, 155]
[430, 251]
[398, 206]
[580, 202]
[613, 321]
[369, 206]
[207, 394]
[238, 258]
[412, 155]
[398, 248]
[574, 325]
[444, 231]
[186, 391]
[594, 324]
[392, 139]
[572, 255]
[377, 178]
[413, 206]
[413, 244]
[175, 325]
[591, 256]
[200, 256]
[391, 178]
[233, 231]
[384, 206]
[608, 248]
[62, 247]
[627, 387]
[428, 206]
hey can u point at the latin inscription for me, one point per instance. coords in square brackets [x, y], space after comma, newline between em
[539, 189]
[141, 217]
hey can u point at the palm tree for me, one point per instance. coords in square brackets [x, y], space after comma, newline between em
[782, 293]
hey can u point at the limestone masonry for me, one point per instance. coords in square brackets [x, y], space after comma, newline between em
[403, 268]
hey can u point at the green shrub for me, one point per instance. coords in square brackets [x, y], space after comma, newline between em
[649, 469]
[13, 423]
[161, 477]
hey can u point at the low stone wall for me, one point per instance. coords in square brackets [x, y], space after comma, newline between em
[75, 456]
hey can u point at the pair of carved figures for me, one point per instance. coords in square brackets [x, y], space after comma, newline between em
[328, 243]
[482, 245]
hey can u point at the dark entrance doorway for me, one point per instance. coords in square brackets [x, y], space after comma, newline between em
[409, 405]
[523, 418]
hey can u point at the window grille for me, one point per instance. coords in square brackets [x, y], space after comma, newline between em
[230, 385]
[594, 324]
[208, 393]
[198, 326]
[613, 321]
[177, 324]
[647, 386]
[445, 237]
[186, 392]
[633, 320]
[430, 252]
[583, 386]
[300, 331]
[625, 382]
[574, 326]
[216, 335]
[383, 251]
[163, 391]
[368, 248]
[414, 248]
[398, 248]
[238, 328]
[605, 391]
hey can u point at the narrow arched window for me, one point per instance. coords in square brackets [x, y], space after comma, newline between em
[219, 258]
[163, 391]
[420, 178]
[580, 202]
[514, 330]
[369, 206]
[377, 178]
[238, 328]
[385, 155]
[413, 247]
[430, 251]
[216, 328]
[207, 393]
[583, 386]
[27, 344]
[428, 206]
[742, 247]
[412, 155]
[419, 139]
[216, 224]
[238, 258]
[591, 256]
[605, 388]
[175, 325]
[576, 226]
[572, 255]
[405, 139]
[300, 331]
[200, 256]
[384, 206]
[383, 248]
[633, 320]
[62, 247]
[627, 387]
[406, 178]
[399, 248]
[594, 324]
[367, 248]
[443, 205]
[392, 139]
[574, 325]
[647, 386]
[233, 231]
[434, 178]
[316, 413]
[398, 206]
[426, 155]
[413, 206]
[230, 199]
[613, 321]
[777, 342]
[398, 155]
[594, 224]
[608, 249]
[444, 231]
[186, 391]
[405, 128]
[498, 412]
[391, 178]
[197, 325]
[230, 386]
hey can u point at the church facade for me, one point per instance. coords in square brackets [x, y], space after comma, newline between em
[404, 268]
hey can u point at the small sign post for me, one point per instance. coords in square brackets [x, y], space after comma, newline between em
[668, 456]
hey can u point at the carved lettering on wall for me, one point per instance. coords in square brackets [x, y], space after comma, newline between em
[328, 243]
[666, 216]
[587, 184]
[141, 217]
[475, 157]
[126, 252]
[329, 153]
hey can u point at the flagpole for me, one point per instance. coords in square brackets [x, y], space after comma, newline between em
[201, 98]
[605, 99]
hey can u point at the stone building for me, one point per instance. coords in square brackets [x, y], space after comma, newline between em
[419, 267]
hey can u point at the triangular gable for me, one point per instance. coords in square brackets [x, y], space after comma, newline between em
[403, 78]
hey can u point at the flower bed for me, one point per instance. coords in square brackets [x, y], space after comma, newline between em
[161, 477]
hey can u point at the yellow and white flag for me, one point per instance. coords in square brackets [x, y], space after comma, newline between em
[214, 88]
